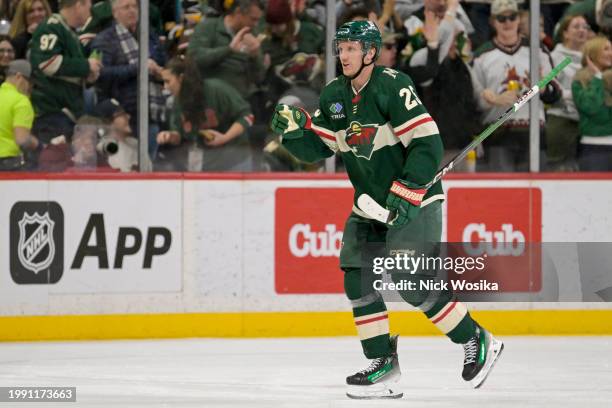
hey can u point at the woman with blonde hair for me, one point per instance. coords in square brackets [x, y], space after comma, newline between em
[29, 14]
[562, 133]
[592, 90]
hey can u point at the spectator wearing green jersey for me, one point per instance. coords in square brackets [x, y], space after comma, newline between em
[209, 122]
[29, 14]
[226, 48]
[592, 91]
[60, 70]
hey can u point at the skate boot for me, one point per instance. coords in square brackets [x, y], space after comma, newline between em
[379, 380]
[481, 353]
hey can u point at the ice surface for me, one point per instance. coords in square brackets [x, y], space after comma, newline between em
[538, 372]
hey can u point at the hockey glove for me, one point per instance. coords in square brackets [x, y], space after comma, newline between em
[404, 200]
[289, 121]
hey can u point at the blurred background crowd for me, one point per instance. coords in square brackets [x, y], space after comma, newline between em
[69, 73]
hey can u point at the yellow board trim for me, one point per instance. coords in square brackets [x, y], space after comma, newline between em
[287, 324]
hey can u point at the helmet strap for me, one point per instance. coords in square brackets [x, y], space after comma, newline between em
[363, 65]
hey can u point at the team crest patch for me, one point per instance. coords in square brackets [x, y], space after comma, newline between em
[360, 139]
[36, 248]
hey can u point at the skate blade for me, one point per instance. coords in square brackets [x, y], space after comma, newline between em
[394, 396]
[495, 349]
[387, 391]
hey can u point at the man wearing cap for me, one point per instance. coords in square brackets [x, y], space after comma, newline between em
[501, 75]
[118, 120]
[388, 52]
[16, 116]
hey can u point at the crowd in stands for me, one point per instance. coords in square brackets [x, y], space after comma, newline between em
[216, 69]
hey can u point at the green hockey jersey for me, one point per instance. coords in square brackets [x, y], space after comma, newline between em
[59, 68]
[382, 132]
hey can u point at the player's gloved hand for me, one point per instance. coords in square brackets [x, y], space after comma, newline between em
[404, 200]
[289, 121]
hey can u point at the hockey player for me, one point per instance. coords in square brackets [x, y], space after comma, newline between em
[390, 147]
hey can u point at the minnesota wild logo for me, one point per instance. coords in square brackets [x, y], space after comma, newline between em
[360, 139]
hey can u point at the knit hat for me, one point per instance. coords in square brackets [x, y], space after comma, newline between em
[500, 6]
[19, 66]
[108, 109]
[278, 12]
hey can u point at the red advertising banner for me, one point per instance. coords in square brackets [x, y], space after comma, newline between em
[499, 223]
[308, 238]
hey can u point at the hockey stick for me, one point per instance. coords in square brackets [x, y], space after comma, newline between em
[369, 206]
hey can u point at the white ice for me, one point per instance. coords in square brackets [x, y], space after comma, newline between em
[538, 372]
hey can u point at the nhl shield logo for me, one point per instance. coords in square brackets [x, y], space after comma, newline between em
[360, 139]
[37, 242]
[36, 248]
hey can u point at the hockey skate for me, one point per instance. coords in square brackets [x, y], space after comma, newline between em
[481, 353]
[379, 380]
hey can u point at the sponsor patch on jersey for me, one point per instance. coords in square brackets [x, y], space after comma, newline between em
[336, 110]
[335, 107]
[360, 139]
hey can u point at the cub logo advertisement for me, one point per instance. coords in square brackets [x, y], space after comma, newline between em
[499, 224]
[308, 239]
[37, 242]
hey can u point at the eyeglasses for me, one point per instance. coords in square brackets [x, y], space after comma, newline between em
[7, 51]
[510, 17]
[583, 26]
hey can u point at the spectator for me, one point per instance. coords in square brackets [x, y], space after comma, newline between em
[525, 25]
[562, 131]
[7, 54]
[433, 28]
[102, 15]
[343, 7]
[286, 35]
[225, 47]
[118, 45]
[479, 12]
[288, 41]
[388, 52]
[598, 14]
[16, 116]
[501, 73]
[369, 10]
[208, 115]
[29, 14]
[60, 71]
[119, 144]
[592, 90]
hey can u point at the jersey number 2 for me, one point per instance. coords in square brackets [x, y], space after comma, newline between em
[412, 99]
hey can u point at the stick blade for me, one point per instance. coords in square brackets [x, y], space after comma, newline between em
[369, 206]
